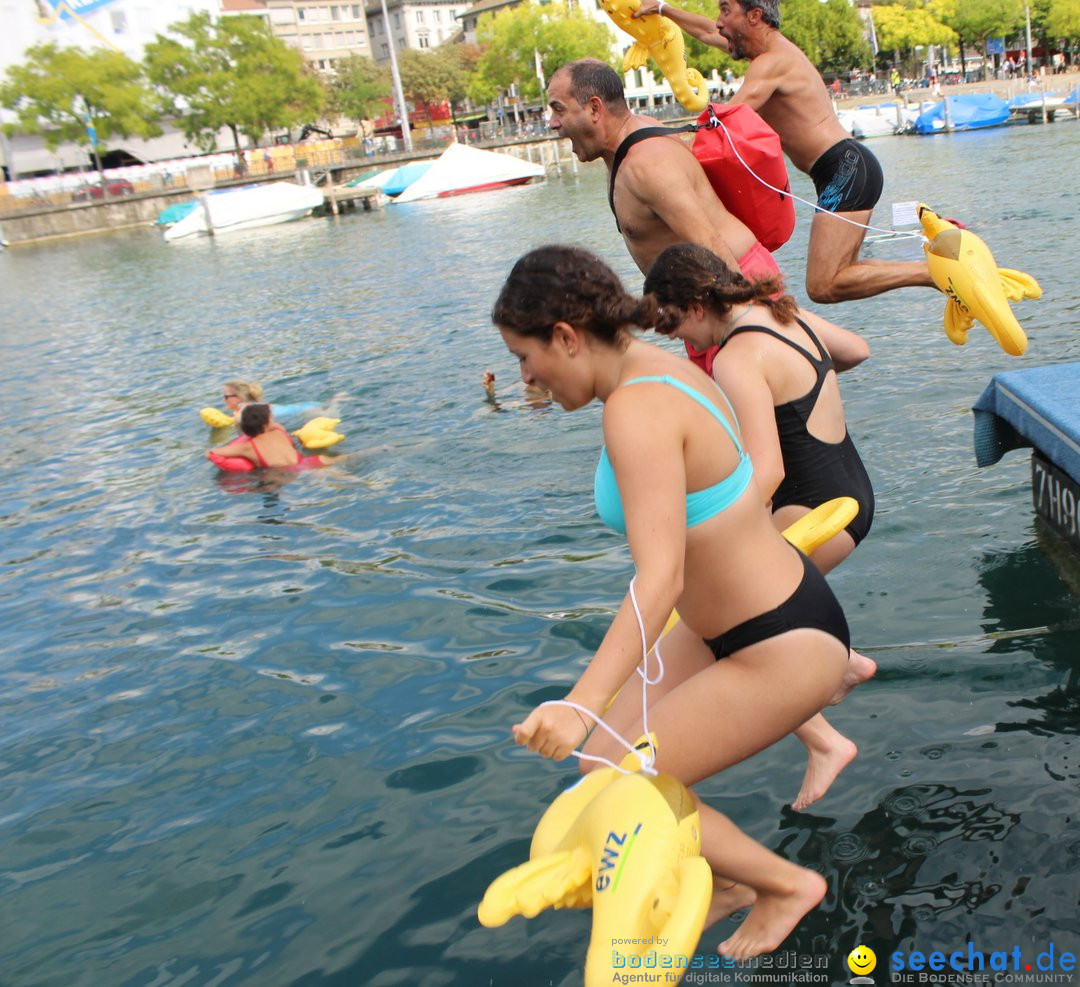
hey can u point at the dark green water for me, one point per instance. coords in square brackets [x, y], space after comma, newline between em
[258, 733]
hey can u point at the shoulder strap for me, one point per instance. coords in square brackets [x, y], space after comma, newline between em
[826, 357]
[700, 399]
[624, 148]
[822, 365]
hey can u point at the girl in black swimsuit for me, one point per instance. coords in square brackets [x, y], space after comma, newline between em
[781, 379]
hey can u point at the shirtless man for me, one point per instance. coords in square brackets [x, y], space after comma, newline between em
[661, 196]
[784, 87]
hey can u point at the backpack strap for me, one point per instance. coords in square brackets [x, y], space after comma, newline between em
[628, 142]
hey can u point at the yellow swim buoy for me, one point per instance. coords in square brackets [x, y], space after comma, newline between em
[319, 433]
[214, 418]
[976, 288]
[626, 844]
[661, 38]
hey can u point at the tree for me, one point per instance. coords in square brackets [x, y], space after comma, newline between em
[431, 77]
[830, 32]
[1063, 20]
[976, 20]
[516, 37]
[63, 92]
[901, 29]
[360, 88]
[231, 73]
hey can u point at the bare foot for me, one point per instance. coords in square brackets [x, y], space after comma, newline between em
[822, 767]
[859, 670]
[728, 900]
[774, 916]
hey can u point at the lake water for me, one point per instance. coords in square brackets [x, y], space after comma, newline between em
[257, 731]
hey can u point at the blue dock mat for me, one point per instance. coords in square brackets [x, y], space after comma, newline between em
[1037, 407]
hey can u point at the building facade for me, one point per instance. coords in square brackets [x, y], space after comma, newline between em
[420, 24]
[324, 31]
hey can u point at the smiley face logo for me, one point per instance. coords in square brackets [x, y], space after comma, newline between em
[861, 960]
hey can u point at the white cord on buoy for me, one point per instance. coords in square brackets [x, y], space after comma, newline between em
[647, 760]
[896, 234]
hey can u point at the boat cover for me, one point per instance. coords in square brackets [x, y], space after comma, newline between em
[401, 178]
[1037, 407]
[967, 111]
[460, 168]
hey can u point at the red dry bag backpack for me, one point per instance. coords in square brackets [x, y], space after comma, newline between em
[741, 155]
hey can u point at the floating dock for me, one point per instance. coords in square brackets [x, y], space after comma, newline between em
[1039, 409]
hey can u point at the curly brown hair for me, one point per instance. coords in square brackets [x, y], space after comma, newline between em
[567, 284]
[686, 273]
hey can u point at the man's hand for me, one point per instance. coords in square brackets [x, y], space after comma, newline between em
[647, 7]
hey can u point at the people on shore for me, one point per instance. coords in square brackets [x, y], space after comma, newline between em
[787, 90]
[275, 447]
[762, 645]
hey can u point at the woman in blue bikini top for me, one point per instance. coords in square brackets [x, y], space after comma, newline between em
[673, 476]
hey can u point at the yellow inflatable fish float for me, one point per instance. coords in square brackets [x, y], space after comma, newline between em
[964, 269]
[630, 846]
[319, 433]
[661, 38]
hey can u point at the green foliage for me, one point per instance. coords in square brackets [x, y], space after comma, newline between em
[975, 20]
[901, 28]
[1061, 20]
[430, 77]
[231, 73]
[512, 36]
[360, 88]
[831, 33]
[54, 89]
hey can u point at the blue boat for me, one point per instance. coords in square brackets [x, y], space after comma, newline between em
[967, 111]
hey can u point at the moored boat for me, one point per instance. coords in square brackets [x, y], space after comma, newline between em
[965, 111]
[250, 206]
[461, 169]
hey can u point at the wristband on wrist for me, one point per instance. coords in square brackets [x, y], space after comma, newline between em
[588, 729]
[660, 8]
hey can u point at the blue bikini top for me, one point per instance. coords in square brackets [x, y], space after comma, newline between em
[701, 504]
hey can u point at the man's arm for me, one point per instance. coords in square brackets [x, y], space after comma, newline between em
[760, 81]
[696, 25]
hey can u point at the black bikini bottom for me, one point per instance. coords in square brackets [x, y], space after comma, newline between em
[811, 605]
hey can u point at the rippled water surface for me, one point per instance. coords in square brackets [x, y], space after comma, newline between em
[257, 731]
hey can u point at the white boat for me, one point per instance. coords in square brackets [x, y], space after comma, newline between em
[877, 120]
[460, 169]
[247, 207]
